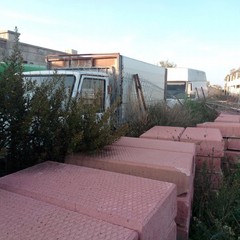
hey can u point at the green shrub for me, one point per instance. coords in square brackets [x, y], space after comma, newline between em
[89, 131]
[39, 122]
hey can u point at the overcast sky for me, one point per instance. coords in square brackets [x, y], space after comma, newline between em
[200, 34]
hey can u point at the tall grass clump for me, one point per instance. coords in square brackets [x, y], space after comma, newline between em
[187, 114]
[216, 213]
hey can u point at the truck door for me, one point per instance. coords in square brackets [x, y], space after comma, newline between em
[94, 90]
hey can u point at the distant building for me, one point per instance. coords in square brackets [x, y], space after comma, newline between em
[31, 54]
[232, 82]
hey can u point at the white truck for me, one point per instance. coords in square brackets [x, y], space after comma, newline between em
[134, 83]
[185, 83]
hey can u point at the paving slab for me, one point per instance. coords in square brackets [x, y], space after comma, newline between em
[233, 156]
[172, 232]
[227, 129]
[182, 233]
[24, 218]
[184, 208]
[144, 205]
[163, 132]
[233, 144]
[223, 117]
[209, 141]
[177, 168]
[159, 144]
[183, 201]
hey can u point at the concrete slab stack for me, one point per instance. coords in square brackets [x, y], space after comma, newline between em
[177, 168]
[184, 201]
[118, 203]
[150, 159]
[229, 126]
[164, 133]
[26, 218]
[209, 152]
[170, 136]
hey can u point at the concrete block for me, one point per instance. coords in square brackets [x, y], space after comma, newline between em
[184, 208]
[233, 156]
[209, 141]
[227, 129]
[164, 132]
[144, 205]
[172, 232]
[233, 144]
[24, 218]
[177, 168]
[159, 144]
[208, 163]
[223, 117]
[182, 233]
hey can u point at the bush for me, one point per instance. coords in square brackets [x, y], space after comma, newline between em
[89, 131]
[39, 122]
[216, 214]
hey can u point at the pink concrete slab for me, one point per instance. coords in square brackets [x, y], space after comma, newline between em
[172, 232]
[184, 208]
[233, 156]
[155, 164]
[225, 143]
[164, 132]
[159, 144]
[227, 129]
[140, 204]
[233, 144]
[24, 218]
[182, 233]
[208, 163]
[228, 118]
[184, 200]
[209, 141]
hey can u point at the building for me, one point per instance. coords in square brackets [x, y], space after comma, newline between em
[232, 82]
[31, 54]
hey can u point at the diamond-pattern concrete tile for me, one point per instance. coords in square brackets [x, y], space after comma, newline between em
[140, 204]
[177, 168]
[223, 117]
[24, 218]
[227, 129]
[209, 141]
[164, 132]
[165, 145]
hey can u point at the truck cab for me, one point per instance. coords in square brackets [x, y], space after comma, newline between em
[185, 83]
[78, 83]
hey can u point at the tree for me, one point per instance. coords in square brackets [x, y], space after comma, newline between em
[12, 104]
[167, 64]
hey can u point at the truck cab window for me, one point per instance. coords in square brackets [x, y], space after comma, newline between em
[68, 80]
[176, 89]
[93, 92]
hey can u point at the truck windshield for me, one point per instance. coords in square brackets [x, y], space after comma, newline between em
[176, 89]
[93, 92]
[67, 79]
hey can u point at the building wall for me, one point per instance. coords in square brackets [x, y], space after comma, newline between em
[31, 54]
[232, 82]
